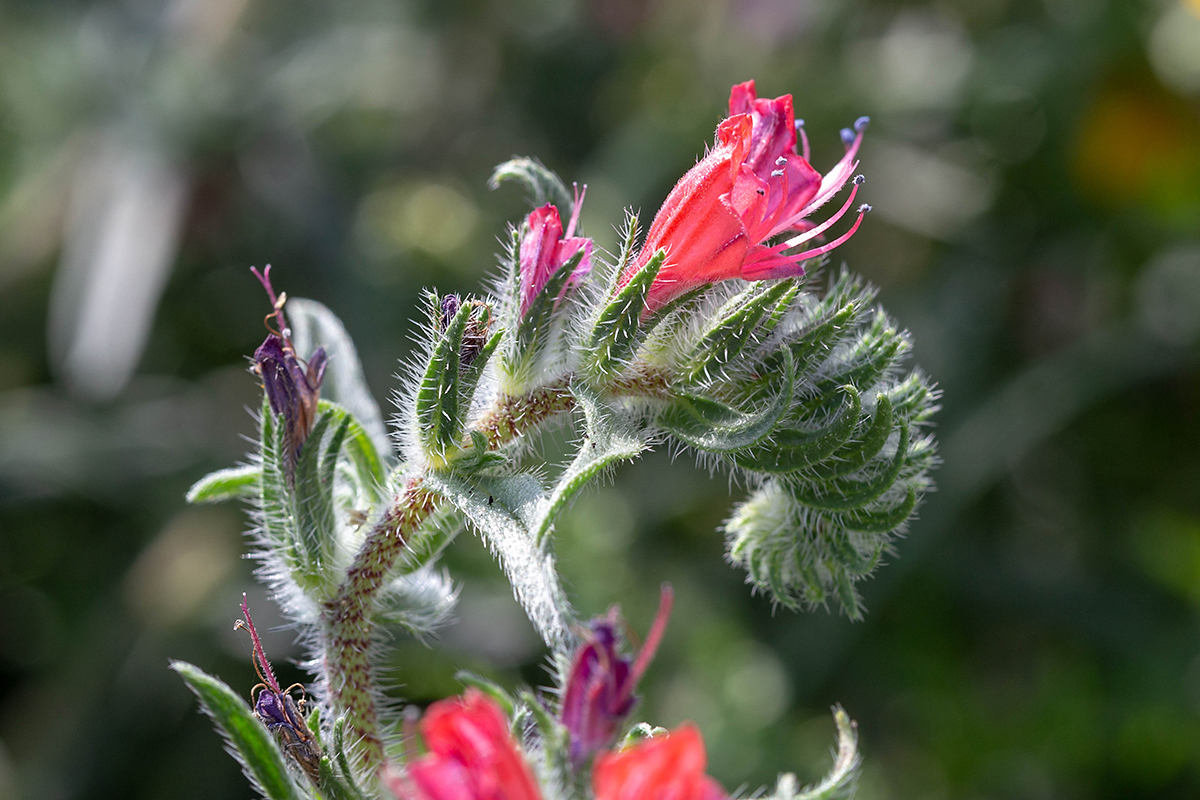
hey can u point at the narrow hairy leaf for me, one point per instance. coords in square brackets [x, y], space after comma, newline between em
[247, 739]
[841, 781]
[312, 504]
[792, 449]
[369, 468]
[471, 373]
[618, 329]
[747, 318]
[543, 184]
[438, 416]
[844, 495]
[857, 454]
[226, 484]
[712, 426]
[881, 521]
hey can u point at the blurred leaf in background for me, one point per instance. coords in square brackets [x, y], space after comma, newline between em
[1035, 170]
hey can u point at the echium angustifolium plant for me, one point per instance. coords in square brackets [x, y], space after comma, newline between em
[705, 334]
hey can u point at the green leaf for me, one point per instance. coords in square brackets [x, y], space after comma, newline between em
[813, 346]
[881, 521]
[504, 509]
[844, 495]
[712, 426]
[542, 183]
[312, 495]
[369, 468]
[745, 319]
[617, 331]
[471, 373]
[438, 413]
[856, 455]
[314, 325]
[606, 442]
[792, 449]
[226, 484]
[339, 749]
[247, 739]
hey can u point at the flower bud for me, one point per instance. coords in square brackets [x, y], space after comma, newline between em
[599, 692]
[545, 250]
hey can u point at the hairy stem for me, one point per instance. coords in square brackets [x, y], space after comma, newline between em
[347, 628]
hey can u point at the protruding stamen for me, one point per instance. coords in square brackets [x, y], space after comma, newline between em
[848, 137]
[816, 231]
[779, 162]
[861, 124]
[859, 180]
[776, 173]
[248, 624]
[838, 242]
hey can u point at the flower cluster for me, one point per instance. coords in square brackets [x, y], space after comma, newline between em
[707, 335]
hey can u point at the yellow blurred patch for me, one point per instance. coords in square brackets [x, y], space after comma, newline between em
[1135, 145]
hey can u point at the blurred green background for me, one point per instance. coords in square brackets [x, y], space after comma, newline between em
[1035, 171]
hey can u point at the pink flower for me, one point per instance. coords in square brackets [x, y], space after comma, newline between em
[544, 249]
[667, 767]
[599, 692]
[472, 756]
[752, 186]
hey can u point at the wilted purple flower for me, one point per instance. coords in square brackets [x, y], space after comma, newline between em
[599, 692]
[293, 388]
[276, 709]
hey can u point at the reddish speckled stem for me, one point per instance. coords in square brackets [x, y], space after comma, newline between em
[346, 618]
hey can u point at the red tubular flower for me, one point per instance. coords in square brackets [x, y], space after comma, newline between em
[751, 187]
[471, 756]
[599, 692]
[545, 250]
[667, 767]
